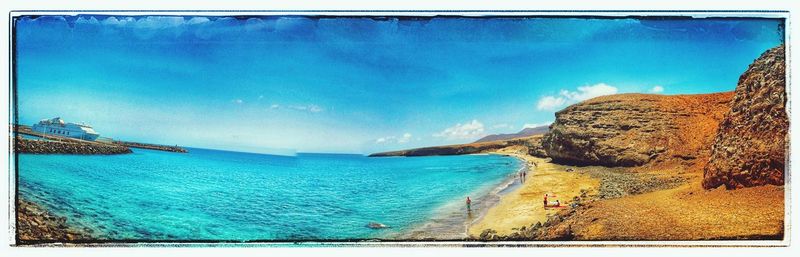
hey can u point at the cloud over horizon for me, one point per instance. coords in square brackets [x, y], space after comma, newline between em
[394, 139]
[657, 90]
[468, 130]
[311, 108]
[534, 125]
[551, 103]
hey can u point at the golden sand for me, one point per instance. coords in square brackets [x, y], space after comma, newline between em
[687, 212]
[524, 206]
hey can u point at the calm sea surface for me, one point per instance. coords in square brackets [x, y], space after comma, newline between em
[220, 195]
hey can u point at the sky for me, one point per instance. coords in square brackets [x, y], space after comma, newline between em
[272, 84]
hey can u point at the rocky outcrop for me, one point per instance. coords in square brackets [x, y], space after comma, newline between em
[37, 225]
[22, 145]
[750, 147]
[533, 143]
[166, 148]
[635, 129]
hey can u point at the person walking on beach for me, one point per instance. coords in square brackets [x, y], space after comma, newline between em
[469, 204]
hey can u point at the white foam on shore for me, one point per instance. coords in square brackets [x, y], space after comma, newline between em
[450, 220]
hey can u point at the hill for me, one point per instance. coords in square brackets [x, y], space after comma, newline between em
[526, 132]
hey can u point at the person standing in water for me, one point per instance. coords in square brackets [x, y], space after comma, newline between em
[469, 204]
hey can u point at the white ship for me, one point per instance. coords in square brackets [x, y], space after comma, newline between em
[57, 127]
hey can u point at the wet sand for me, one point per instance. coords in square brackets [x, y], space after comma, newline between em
[452, 221]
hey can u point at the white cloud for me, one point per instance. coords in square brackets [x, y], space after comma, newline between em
[314, 108]
[550, 103]
[122, 21]
[310, 108]
[657, 89]
[159, 22]
[393, 139]
[468, 130]
[406, 137]
[197, 20]
[533, 125]
[568, 97]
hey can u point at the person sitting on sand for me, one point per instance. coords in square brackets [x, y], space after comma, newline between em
[469, 203]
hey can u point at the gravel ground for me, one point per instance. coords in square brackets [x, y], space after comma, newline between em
[616, 183]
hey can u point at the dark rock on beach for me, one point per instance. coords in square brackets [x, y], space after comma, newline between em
[37, 225]
[376, 225]
[750, 147]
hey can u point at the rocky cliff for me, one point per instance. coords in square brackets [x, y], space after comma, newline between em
[750, 147]
[636, 129]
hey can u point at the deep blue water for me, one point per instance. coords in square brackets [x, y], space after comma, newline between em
[219, 195]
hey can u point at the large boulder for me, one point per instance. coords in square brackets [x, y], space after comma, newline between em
[635, 129]
[750, 146]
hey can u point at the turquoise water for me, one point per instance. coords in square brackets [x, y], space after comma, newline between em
[220, 195]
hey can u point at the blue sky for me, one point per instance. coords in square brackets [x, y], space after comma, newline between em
[358, 85]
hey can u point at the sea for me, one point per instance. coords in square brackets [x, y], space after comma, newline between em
[233, 196]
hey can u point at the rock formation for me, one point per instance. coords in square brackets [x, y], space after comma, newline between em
[22, 145]
[36, 225]
[750, 147]
[166, 148]
[635, 129]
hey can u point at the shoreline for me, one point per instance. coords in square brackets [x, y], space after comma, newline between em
[508, 186]
[35, 224]
[452, 225]
[523, 207]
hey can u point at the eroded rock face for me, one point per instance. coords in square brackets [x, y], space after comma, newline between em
[750, 147]
[635, 129]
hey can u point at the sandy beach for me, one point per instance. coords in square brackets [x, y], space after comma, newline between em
[524, 206]
[642, 203]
